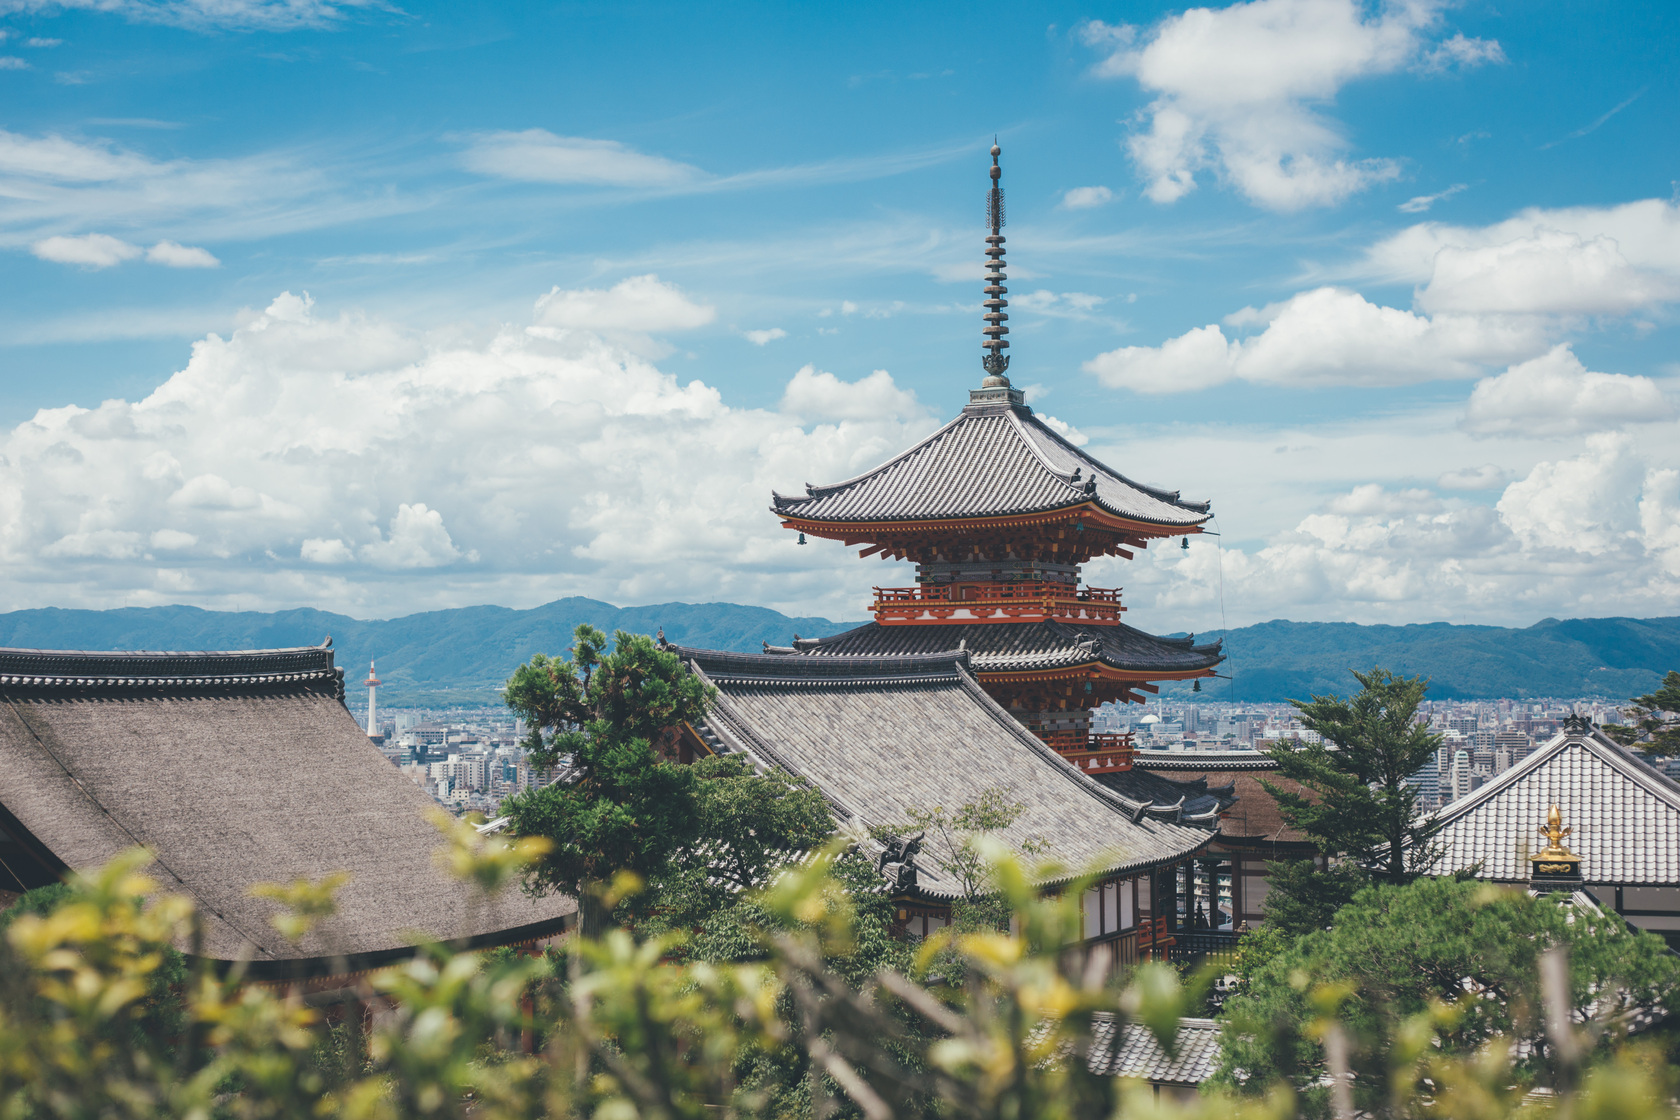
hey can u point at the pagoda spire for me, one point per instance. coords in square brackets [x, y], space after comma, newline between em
[996, 361]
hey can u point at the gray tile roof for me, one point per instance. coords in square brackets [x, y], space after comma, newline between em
[1131, 1050]
[1193, 798]
[997, 647]
[234, 768]
[991, 461]
[1198, 761]
[1625, 815]
[881, 736]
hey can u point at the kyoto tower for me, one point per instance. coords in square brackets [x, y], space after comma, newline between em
[373, 682]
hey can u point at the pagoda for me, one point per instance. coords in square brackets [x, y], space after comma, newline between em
[999, 513]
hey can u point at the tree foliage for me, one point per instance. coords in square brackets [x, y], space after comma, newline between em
[1300, 898]
[1363, 806]
[1461, 954]
[1656, 720]
[621, 807]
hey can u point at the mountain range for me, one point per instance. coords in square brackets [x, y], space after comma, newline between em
[461, 656]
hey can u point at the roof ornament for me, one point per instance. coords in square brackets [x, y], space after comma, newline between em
[1555, 859]
[996, 361]
[897, 861]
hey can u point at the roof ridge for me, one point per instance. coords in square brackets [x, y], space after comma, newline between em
[813, 491]
[1173, 497]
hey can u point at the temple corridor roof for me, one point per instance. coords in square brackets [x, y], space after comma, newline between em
[233, 769]
[881, 736]
[991, 461]
[1021, 646]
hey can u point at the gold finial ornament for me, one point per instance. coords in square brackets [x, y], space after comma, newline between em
[1554, 858]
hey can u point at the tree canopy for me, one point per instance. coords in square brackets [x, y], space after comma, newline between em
[1396, 952]
[1656, 720]
[1363, 806]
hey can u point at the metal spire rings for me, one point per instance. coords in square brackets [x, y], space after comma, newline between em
[996, 361]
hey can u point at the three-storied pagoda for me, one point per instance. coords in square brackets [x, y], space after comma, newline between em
[999, 513]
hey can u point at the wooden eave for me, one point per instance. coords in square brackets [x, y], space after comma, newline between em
[1093, 515]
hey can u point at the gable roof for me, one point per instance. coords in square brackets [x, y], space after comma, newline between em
[881, 736]
[993, 460]
[1625, 815]
[234, 768]
[996, 647]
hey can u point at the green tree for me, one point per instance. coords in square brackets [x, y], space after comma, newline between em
[620, 806]
[1656, 720]
[1363, 807]
[1398, 952]
[1300, 898]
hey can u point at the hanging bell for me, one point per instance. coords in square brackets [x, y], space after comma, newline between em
[1195, 686]
[802, 538]
[1184, 543]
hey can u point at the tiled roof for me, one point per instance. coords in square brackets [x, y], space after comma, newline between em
[881, 736]
[991, 461]
[1192, 798]
[1624, 813]
[997, 647]
[137, 673]
[234, 769]
[1131, 1050]
[1198, 761]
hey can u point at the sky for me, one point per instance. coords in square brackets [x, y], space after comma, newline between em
[383, 308]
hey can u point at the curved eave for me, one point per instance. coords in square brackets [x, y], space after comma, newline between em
[1093, 670]
[1090, 512]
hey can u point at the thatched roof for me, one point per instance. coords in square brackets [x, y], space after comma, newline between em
[233, 769]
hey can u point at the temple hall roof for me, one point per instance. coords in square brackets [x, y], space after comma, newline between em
[233, 769]
[1625, 815]
[991, 461]
[1252, 814]
[1130, 1049]
[879, 736]
[1023, 646]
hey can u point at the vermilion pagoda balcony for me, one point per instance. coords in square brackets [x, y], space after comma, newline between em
[963, 604]
[1094, 754]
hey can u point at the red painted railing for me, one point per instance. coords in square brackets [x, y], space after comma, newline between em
[1093, 753]
[962, 604]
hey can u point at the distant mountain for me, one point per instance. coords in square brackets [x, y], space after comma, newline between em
[461, 656]
[436, 658]
[1609, 657]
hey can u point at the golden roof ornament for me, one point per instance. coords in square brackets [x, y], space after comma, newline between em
[1555, 858]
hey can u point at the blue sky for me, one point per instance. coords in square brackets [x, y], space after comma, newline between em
[1392, 285]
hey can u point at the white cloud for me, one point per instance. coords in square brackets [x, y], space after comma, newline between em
[1592, 534]
[91, 250]
[40, 42]
[13, 62]
[1549, 273]
[205, 15]
[343, 462]
[1237, 89]
[639, 304]
[1086, 198]
[815, 396]
[537, 155]
[1423, 202]
[760, 338]
[1555, 394]
[1328, 336]
[173, 255]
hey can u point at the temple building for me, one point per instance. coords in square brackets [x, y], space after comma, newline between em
[1582, 812]
[983, 674]
[234, 769]
[998, 513]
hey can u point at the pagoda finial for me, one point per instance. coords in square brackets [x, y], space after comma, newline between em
[996, 361]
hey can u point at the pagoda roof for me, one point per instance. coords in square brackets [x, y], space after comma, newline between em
[233, 768]
[1001, 647]
[1624, 812]
[993, 460]
[880, 736]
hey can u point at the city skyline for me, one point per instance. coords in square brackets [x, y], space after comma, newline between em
[458, 327]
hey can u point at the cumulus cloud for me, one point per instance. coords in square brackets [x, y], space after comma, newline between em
[99, 250]
[91, 250]
[638, 304]
[760, 338]
[1555, 394]
[172, 255]
[1488, 476]
[539, 156]
[1086, 198]
[1592, 533]
[345, 462]
[1236, 91]
[1328, 336]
